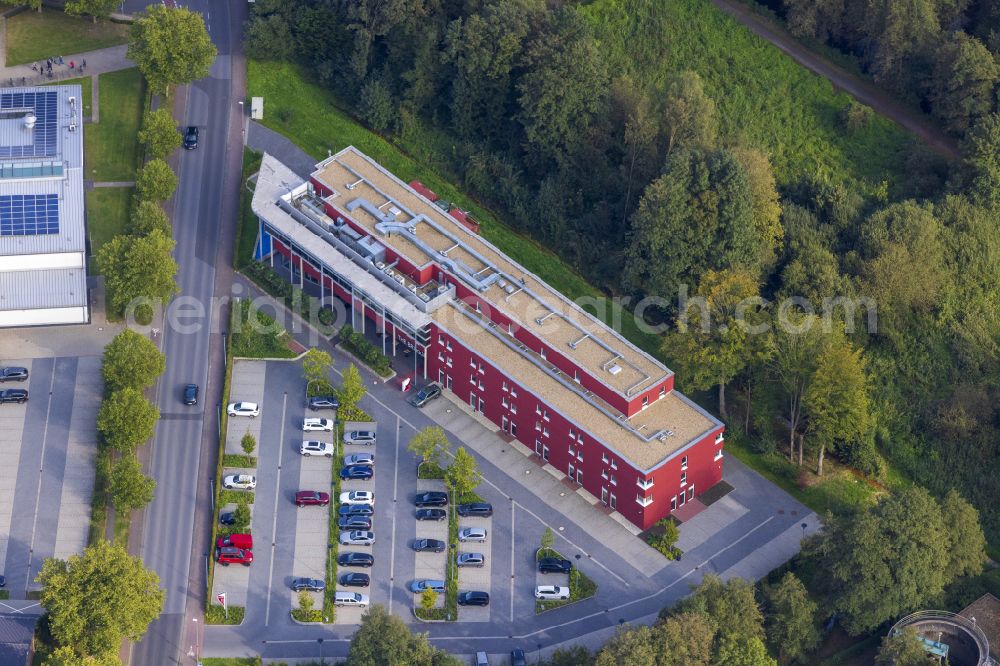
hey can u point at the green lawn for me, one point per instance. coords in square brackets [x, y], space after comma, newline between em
[246, 232]
[309, 116]
[107, 213]
[111, 151]
[762, 96]
[35, 36]
[86, 90]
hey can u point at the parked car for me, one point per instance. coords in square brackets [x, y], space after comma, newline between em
[359, 459]
[191, 394]
[473, 599]
[227, 517]
[431, 514]
[313, 424]
[548, 565]
[426, 394]
[429, 546]
[419, 586]
[470, 560]
[357, 538]
[355, 579]
[355, 510]
[478, 509]
[251, 409]
[318, 402]
[431, 498]
[311, 498]
[13, 395]
[313, 448]
[482, 659]
[350, 599]
[229, 555]
[517, 657]
[351, 559]
[551, 592]
[366, 437]
[355, 523]
[472, 534]
[239, 482]
[357, 472]
[308, 585]
[191, 138]
[357, 497]
[13, 374]
[244, 541]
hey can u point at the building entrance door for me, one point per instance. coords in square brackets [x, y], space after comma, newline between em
[683, 497]
[572, 471]
[504, 424]
[604, 496]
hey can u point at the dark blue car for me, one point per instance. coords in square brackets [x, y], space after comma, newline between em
[356, 472]
[355, 510]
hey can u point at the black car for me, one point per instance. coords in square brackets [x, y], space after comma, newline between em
[355, 560]
[362, 472]
[473, 599]
[429, 546]
[308, 585]
[13, 374]
[431, 514]
[355, 523]
[426, 394]
[227, 517]
[432, 498]
[191, 394]
[318, 402]
[191, 138]
[517, 657]
[13, 395]
[481, 509]
[355, 580]
[356, 510]
[548, 565]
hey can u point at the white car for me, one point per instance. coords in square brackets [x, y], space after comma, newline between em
[472, 534]
[357, 538]
[350, 599]
[316, 449]
[359, 459]
[251, 409]
[313, 423]
[358, 497]
[240, 481]
[551, 592]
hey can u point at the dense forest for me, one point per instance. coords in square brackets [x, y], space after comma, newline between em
[614, 133]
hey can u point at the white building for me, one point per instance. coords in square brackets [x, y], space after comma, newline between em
[43, 267]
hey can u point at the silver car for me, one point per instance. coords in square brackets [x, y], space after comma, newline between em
[357, 538]
[472, 534]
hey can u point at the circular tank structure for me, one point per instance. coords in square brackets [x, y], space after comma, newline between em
[963, 643]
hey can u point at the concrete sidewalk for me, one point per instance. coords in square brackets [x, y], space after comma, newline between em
[100, 61]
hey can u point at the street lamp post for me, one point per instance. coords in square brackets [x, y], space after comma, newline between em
[321, 660]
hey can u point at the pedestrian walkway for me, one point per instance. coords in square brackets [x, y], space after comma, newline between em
[100, 61]
[266, 140]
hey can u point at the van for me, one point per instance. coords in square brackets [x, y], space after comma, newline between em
[244, 541]
[359, 432]
[482, 659]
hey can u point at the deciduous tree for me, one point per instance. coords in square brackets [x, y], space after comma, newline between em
[131, 360]
[126, 419]
[130, 488]
[462, 475]
[97, 599]
[96, 9]
[248, 443]
[159, 133]
[384, 639]
[428, 598]
[155, 181]
[764, 200]
[963, 80]
[797, 342]
[967, 543]
[902, 649]
[316, 366]
[731, 608]
[269, 38]
[352, 389]
[791, 619]
[688, 113]
[68, 656]
[171, 46]
[137, 267]
[634, 647]
[981, 161]
[146, 216]
[742, 652]
[684, 639]
[429, 443]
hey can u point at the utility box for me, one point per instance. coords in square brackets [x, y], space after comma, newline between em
[257, 108]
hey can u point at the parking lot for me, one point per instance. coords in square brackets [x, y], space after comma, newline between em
[47, 450]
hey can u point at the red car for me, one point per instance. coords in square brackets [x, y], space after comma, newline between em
[230, 555]
[311, 498]
[244, 541]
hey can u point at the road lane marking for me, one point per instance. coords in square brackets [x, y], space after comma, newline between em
[392, 538]
[513, 509]
[274, 522]
[41, 468]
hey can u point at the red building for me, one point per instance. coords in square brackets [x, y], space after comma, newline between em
[537, 365]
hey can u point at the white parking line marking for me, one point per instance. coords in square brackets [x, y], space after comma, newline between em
[513, 507]
[274, 522]
[392, 539]
[41, 467]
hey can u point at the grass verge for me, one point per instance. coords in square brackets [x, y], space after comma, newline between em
[223, 424]
[227, 496]
[99, 498]
[451, 570]
[239, 460]
[261, 338]
[215, 614]
[111, 149]
[333, 529]
[580, 585]
[35, 36]
[430, 470]
[107, 214]
[246, 232]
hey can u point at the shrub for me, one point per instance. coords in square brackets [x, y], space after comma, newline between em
[368, 353]
[215, 614]
[248, 444]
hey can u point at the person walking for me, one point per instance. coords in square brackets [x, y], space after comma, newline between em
[83, 63]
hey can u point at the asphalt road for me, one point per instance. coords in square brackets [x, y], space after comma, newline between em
[178, 460]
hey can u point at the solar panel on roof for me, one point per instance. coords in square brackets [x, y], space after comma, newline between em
[29, 214]
[44, 105]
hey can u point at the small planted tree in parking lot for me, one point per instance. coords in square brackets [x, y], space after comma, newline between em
[429, 443]
[463, 474]
[316, 366]
[428, 598]
[241, 517]
[547, 539]
[352, 390]
[248, 443]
